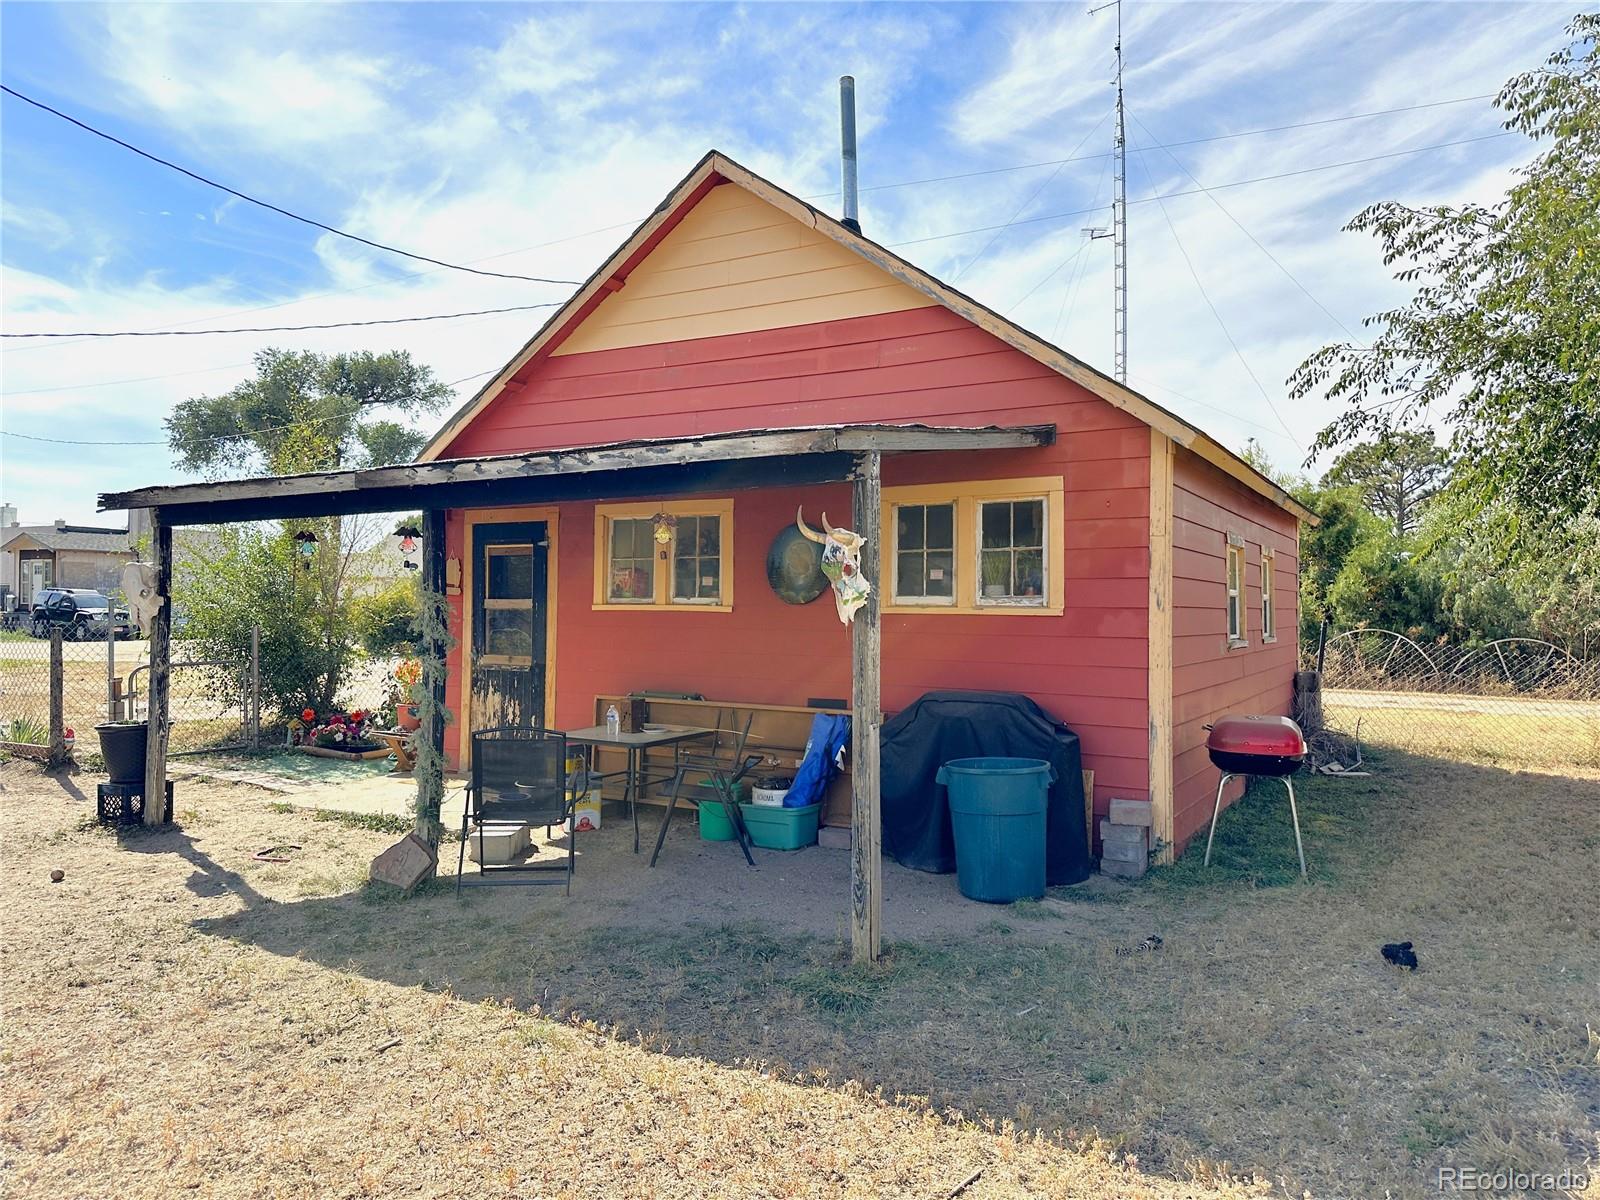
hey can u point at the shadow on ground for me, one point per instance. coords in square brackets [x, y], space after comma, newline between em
[1267, 1032]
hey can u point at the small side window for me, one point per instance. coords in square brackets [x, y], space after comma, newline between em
[1235, 592]
[1269, 616]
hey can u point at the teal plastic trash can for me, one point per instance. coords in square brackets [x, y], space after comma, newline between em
[997, 813]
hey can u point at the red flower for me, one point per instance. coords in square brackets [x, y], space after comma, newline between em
[308, 715]
[358, 716]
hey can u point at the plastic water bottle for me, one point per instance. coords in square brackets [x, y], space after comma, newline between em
[613, 722]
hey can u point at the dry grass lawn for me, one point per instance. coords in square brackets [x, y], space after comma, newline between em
[181, 1019]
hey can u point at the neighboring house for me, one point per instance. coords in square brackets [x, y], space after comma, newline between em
[58, 555]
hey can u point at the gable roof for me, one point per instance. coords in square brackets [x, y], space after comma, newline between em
[65, 537]
[715, 169]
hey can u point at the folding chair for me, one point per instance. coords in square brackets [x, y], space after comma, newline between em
[520, 777]
[724, 764]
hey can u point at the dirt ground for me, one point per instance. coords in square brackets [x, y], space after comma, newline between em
[183, 1019]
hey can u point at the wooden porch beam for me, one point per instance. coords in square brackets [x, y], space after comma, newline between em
[160, 634]
[333, 492]
[430, 767]
[866, 822]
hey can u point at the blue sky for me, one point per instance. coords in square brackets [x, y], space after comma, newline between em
[529, 138]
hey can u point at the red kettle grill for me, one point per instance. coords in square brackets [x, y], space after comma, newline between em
[1267, 746]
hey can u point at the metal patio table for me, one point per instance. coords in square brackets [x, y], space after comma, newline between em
[636, 744]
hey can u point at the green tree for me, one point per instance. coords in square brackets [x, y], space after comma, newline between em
[233, 577]
[305, 411]
[385, 621]
[1396, 474]
[1502, 334]
[301, 411]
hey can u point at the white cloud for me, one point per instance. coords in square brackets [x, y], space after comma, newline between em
[497, 149]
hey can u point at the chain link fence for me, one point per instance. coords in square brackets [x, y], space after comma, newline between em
[214, 704]
[25, 686]
[1515, 701]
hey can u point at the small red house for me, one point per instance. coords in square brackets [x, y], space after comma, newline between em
[1132, 575]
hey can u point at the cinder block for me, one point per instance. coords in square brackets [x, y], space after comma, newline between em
[1132, 812]
[1124, 870]
[1124, 851]
[502, 844]
[833, 837]
[1125, 834]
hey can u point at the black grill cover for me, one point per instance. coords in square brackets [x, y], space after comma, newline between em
[946, 725]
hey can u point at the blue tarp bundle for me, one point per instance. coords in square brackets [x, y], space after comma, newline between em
[824, 756]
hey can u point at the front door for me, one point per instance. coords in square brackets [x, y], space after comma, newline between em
[510, 581]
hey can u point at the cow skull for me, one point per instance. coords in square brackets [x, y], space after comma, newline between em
[841, 563]
[139, 586]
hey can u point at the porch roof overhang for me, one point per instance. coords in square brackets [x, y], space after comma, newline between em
[617, 470]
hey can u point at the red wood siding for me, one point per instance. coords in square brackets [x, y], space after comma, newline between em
[1208, 679]
[1088, 667]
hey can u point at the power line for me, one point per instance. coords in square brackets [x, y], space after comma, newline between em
[1223, 209]
[1230, 413]
[1350, 162]
[1021, 208]
[1216, 137]
[219, 437]
[111, 333]
[937, 179]
[1221, 324]
[1071, 258]
[222, 187]
[81, 387]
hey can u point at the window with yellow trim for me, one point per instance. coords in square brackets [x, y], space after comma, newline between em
[1235, 591]
[989, 546]
[1269, 615]
[672, 554]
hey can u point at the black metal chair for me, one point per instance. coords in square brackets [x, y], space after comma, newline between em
[520, 777]
[724, 764]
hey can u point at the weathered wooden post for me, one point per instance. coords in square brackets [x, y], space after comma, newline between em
[866, 822]
[160, 633]
[58, 701]
[253, 700]
[430, 760]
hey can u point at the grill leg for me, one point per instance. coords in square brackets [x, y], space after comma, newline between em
[1294, 814]
[1215, 809]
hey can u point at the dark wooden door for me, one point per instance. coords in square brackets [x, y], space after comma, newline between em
[510, 592]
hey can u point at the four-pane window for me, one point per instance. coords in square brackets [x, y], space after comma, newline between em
[697, 561]
[633, 562]
[1235, 593]
[1269, 617]
[925, 553]
[1011, 556]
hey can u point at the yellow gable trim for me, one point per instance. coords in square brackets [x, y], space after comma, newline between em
[737, 264]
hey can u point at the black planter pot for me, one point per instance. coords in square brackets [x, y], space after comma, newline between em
[123, 746]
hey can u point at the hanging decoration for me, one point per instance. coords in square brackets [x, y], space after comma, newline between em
[306, 541]
[665, 525]
[841, 563]
[408, 535]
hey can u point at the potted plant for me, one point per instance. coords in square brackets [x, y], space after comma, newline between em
[122, 745]
[407, 675]
[996, 575]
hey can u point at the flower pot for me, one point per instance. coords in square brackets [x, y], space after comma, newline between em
[122, 745]
[409, 716]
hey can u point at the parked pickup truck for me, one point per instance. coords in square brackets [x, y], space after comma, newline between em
[81, 615]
